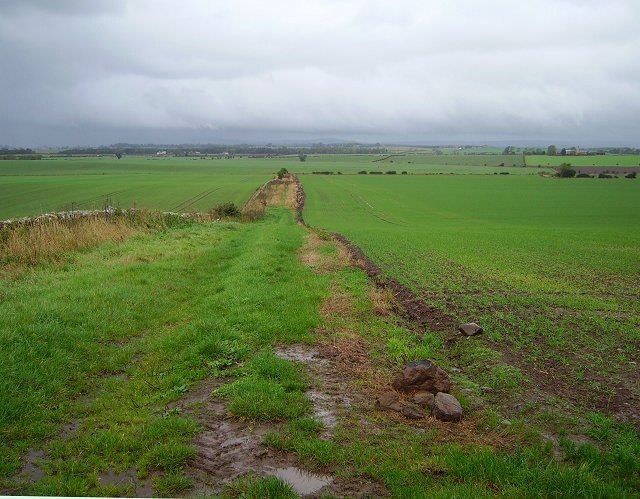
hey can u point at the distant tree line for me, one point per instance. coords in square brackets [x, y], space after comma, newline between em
[231, 150]
[6, 153]
[6, 150]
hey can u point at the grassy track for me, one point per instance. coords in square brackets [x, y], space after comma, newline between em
[550, 267]
[106, 340]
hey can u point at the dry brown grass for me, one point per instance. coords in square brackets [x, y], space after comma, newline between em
[311, 254]
[351, 358]
[381, 301]
[276, 192]
[48, 241]
[337, 304]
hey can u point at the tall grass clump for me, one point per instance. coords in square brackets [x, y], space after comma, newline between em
[49, 239]
[30, 244]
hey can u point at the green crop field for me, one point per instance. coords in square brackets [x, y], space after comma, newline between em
[550, 267]
[183, 184]
[171, 184]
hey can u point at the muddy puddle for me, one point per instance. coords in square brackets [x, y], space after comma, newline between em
[69, 429]
[228, 448]
[328, 393]
[127, 479]
[303, 482]
[31, 469]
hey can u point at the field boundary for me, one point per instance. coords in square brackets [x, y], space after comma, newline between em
[409, 305]
[107, 213]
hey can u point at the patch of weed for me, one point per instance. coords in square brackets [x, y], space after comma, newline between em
[168, 457]
[263, 400]
[172, 485]
[258, 488]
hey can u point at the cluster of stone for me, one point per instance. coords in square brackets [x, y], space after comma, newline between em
[420, 389]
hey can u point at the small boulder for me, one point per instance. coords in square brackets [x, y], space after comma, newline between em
[389, 401]
[424, 399]
[412, 411]
[447, 408]
[422, 376]
[470, 329]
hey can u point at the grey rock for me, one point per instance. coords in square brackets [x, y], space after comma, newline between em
[412, 411]
[389, 401]
[424, 399]
[447, 408]
[422, 376]
[470, 329]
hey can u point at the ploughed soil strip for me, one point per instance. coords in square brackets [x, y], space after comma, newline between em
[416, 311]
[550, 378]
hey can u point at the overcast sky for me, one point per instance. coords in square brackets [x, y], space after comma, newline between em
[91, 72]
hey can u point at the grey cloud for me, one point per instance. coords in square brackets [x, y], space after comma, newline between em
[61, 7]
[380, 69]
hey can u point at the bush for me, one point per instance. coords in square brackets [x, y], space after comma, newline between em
[583, 175]
[566, 171]
[362, 172]
[375, 173]
[282, 172]
[604, 175]
[391, 172]
[225, 210]
[631, 175]
[404, 173]
[504, 173]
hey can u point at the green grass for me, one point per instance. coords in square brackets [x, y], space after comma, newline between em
[107, 338]
[415, 163]
[259, 488]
